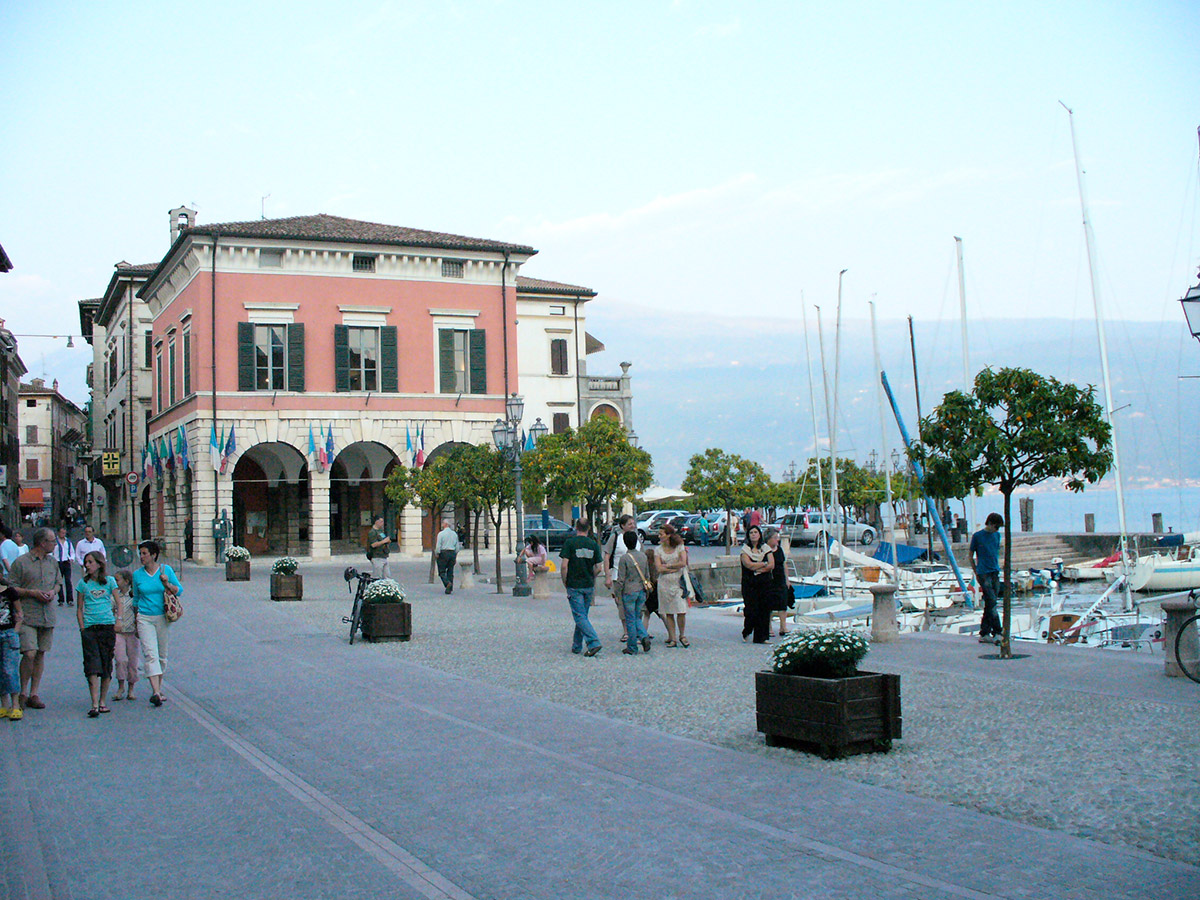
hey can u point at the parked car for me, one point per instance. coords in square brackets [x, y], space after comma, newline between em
[810, 528]
[648, 523]
[686, 526]
[553, 537]
[716, 527]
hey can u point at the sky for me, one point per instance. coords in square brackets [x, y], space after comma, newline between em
[698, 158]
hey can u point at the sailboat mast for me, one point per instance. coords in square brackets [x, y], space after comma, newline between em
[887, 459]
[812, 402]
[912, 346]
[833, 460]
[828, 430]
[972, 524]
[1108, 398]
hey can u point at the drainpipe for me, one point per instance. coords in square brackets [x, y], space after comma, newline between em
[578, 374]
[130, 368]
[212, 337]
[504, 324]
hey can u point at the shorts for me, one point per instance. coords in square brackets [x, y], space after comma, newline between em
[98, 641]
[35, 637]
[10, 662]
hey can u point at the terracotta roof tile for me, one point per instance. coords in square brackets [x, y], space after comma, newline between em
[541, 286]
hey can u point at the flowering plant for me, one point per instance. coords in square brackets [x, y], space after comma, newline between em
[285, 566]
[821, 652]
[385, 590]
[237, 554]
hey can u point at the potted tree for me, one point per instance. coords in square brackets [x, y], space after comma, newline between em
[237, 564]
[816, 699]
[286, 584]
[386, 614]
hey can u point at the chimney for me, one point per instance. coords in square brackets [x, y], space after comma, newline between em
[55, 385]
[181, 217]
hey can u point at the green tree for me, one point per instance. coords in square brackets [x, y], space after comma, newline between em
[437, 485]
[490, 489]
[594, 463]
[720, 480]
[1016, 428]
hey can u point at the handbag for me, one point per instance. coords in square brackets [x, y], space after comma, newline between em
[646, 585]
[172, 607]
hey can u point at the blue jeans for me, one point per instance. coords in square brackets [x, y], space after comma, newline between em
[633, 604]
[703, 538]
[989, 584]
[580, 600]
[10, 661]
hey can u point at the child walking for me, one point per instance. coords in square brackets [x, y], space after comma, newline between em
[127, 650]
[10, 654]
[95, 615]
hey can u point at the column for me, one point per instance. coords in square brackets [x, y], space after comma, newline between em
[318, 515]
[207, 504]
[410, 532]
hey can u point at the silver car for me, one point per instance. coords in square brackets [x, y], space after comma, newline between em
[811, 528]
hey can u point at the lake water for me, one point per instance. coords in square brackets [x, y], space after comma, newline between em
[1063, 511]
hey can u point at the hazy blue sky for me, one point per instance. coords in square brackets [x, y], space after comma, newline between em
[702, 157]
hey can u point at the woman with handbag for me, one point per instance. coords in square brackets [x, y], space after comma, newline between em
[671, 559]
[781, 591]
[156, 592]
[757, 564]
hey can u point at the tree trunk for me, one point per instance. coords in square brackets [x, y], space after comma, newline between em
[475, 541]
[1005, 646]
[433, 514]
[728, 530]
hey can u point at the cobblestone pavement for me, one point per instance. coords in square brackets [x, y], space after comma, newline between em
[290, 764]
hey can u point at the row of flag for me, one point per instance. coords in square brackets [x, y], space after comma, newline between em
[166, 455]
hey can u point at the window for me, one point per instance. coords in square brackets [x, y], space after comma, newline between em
[171, 371]
[149, 348]
[31, 404]
[562, 422]
[270, 259]
[363, 263]
[158, 372]
[270, 373]
[452, 268]
[558, 356]
[31, 434]
[558, 310]
[112, 366]
[462, 361]
[363, 347]
[187, 362]
[31, 469]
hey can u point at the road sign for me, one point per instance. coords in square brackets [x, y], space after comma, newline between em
[133, 478]
[111, 462]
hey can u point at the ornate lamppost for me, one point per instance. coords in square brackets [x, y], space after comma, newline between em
[505, 435]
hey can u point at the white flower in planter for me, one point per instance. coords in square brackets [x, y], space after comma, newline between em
[237, 554]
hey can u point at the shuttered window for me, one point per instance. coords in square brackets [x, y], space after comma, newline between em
[562, 422]
[270, 357]
[365, 359]
[462, 361]
[558, 357]
[187, 362]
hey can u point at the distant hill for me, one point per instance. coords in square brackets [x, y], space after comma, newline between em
[740, 383]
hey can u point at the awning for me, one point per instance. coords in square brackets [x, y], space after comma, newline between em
[31, 497]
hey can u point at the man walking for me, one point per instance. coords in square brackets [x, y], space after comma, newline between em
[581, 563]
[447, 554]
[380, 544]
[64, 553]
[37, 578]
[701, 530]
[985, 562]
[89, 544]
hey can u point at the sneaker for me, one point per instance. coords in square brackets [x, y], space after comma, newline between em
[629, 652]
[592, 651]
[4, 711]
[985, 639]
[34, 702]
[646, 644]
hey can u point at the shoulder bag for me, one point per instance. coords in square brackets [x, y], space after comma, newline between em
[646, 585]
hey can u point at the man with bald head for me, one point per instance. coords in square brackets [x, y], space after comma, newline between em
[37, 579]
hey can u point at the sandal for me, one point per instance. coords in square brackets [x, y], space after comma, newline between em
[103, 709]
[94, 713]
[155, 700]
[684, 642]
[668, 643]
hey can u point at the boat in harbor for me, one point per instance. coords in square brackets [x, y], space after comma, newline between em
[1173, 566]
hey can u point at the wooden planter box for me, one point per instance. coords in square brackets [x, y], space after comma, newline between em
[387, 621]
[831, 716]
[237, 570]
[287, 587]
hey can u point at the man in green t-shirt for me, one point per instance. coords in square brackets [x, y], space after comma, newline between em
[581, 563]
[379, 544]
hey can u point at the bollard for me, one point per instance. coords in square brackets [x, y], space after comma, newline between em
[466, 574]
[884, 627]
[1178, 611]
[541, 584]
[1156, 523]
[1089, 523]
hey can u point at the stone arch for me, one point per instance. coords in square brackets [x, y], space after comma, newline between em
[606, 410]
[357, 479]
[271, 500]
[431, 525]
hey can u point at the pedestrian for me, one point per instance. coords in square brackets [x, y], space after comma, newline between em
[447, 554]
[614, 549]
[672, 559]
[985, 562]
[8, 549]
[581, 563]
[379, 546]
[64, 553]
[755, 518]
[89, 543]
[533, 554]
[757, 564]
[189, 543]
[10, 654]
[126, 652]
[37, 578]
[781, 591]
[700, 530]
[150, 585]
[631, 584]
[96, 633]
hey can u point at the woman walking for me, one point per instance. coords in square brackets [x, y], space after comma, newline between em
[150, 585]
[781, 591]
[672, 559]
[757, 563]
[94, 612]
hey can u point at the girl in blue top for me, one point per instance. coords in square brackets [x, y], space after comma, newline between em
[94, 612]
[150, 583]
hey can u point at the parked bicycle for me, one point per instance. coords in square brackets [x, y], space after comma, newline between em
[1187, 644]
[355, 617]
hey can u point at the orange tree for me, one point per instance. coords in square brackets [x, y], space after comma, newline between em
[1016, 428]
[720, 480]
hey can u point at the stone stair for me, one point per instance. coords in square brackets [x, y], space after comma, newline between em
[1033, 551]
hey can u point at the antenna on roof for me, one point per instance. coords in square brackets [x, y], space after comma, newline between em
[265, 197]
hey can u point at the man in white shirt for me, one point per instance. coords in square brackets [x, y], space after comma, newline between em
[89, 543]
[447, 553]
[64, 555]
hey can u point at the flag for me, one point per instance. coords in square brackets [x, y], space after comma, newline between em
[230, 447]
[147, 466]
[214, 447]
[182, 445]
[155, 460]
[408, 454]
[329, 454]
[526, 439]
[312, 445]
[165, 452]
[419, 462]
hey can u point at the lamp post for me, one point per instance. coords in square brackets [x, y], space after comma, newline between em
[505, 437]
[1191, 309]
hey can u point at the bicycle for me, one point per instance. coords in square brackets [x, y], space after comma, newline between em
[355, 617]
[1187, 645]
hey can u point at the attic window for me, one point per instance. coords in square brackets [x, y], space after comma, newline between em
[558, 310]
[364, 263]
[270, 259]
[452, 268]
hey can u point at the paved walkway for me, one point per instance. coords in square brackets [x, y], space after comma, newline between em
[290, 764]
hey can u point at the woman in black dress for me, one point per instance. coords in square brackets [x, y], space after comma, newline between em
[757, 563]
[781, 591]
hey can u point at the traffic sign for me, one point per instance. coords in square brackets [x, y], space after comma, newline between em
[111, 462]
[133, 478]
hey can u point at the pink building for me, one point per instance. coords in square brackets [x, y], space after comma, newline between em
[318, 325]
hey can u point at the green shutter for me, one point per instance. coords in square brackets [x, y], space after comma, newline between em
[245, 356]
[446, 361]
[341, 357]
[478, 355]
[295, 357]
[388, 365]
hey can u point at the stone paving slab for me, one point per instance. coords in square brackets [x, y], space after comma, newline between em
[309, 768]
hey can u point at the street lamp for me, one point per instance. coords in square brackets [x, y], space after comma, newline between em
[1191, 309]
[504, 436]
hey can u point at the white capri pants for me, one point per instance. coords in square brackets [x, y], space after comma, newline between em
[152, 632]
